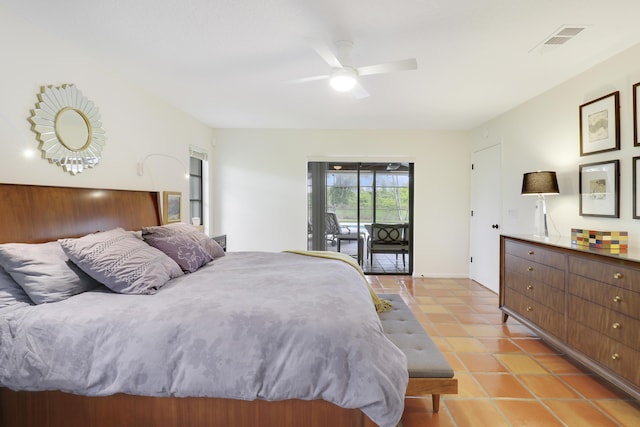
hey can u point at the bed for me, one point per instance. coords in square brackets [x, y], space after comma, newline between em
[249, 338]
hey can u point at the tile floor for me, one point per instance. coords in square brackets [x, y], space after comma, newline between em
[506, 376]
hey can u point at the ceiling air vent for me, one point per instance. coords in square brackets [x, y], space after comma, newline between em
[558, 37]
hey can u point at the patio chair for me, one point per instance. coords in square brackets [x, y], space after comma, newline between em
[388, 239]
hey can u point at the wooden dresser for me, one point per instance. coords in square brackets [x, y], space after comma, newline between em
[586, 303]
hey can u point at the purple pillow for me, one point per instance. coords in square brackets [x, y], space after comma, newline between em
[121, 261]
[209, 245]
[189, 255]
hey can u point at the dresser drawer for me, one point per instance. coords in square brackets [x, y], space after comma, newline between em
[617, 326]
[537, 291]
[538, 313]
[536, 254]
[611, 297]
[608, 352]
[535, 271]
[616, 275]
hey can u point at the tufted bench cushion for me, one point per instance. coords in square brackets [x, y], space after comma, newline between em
[429, 371]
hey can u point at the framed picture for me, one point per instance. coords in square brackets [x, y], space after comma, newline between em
[171, 203]
[600, 189]
[636, 112]
[636, 187]
[600, 125]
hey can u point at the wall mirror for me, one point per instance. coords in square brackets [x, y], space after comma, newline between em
[68, 128]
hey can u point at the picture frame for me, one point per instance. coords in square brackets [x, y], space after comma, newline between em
[171, 207]
[600, 189]
[636, 187]
[636, 112]
[600, 125]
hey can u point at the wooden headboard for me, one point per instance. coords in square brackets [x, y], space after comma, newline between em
[35, 213]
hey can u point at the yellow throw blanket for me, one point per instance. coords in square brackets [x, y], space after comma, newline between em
[381, 305]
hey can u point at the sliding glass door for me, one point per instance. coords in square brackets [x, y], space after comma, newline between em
[363, 210]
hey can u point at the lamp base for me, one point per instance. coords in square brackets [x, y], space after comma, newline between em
[540, 218]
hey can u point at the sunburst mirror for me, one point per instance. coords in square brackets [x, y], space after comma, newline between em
[68, 128]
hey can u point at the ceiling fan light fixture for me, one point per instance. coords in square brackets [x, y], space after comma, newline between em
[343, 80]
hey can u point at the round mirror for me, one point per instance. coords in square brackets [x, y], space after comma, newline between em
[68, 128]
[73, 129]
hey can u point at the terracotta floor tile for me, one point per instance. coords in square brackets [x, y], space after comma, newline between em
[442, 343]
[547, 386]
[626, 413]
[502, 385]
[487, 308]
[418, 412]
[520, 363]
[591, 387]
[466, 345]
[449, 301]
[483, 331]
[579, 413]
[515, 330]
[475, 413]
[467, 387]
[481, 362]
[534, 346]
[426, 308]
[500, 345]
[472, 318]
[454, 361]
[441, 318]
[451, 330]
[425, 300]
[458, 309]
[527, 413]
[558, 364]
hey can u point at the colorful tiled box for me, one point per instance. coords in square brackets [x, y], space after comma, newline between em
[613, 241]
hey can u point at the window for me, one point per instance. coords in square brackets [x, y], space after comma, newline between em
[198, 186]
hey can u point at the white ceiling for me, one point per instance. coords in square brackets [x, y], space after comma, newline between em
[228, 62]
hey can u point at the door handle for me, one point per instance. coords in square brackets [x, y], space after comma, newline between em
[496, 226]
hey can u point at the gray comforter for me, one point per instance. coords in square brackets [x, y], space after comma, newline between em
[250, 325]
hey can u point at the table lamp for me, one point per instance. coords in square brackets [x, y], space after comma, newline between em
[540, 183]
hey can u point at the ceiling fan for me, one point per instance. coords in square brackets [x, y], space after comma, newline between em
[344, 75]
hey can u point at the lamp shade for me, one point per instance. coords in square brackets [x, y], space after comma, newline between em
[544, 182]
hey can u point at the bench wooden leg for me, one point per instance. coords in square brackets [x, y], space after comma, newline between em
[435, 400]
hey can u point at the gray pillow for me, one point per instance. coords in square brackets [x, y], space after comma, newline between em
[189, 255]
[44, 271]
[121, 261]
[10, 292]
[207, 243]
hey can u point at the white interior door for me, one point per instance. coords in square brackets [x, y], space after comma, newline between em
[486, 205]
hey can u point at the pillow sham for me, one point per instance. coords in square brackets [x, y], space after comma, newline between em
[188, 254]
[10, 292]
[43, 271]
[121, 261]
[180, 228]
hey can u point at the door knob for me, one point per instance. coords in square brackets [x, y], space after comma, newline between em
[495, 226]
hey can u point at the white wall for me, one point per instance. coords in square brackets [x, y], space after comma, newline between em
[259, 182]
[136, 123]
[543, 134]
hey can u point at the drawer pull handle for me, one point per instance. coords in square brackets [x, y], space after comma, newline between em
[617, 298]
[618, 276]
[531, 252]
[529, 287]
[616, 325]
[529, 268]
[615, 356]
[529, 308]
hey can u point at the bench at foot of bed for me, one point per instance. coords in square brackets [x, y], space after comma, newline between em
[429, 371]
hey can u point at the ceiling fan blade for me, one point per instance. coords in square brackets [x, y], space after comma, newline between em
[309, 79]
[389, 67]
[326, 53]
[359, 92]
